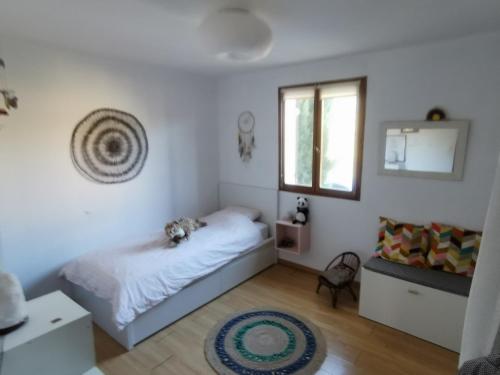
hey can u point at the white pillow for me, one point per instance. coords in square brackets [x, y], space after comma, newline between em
[252, 213]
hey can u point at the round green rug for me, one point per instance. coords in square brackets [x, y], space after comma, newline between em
[265, 341]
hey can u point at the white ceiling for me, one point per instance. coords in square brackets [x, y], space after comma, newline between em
[164, 31]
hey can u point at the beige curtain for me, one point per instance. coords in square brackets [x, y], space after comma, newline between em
[482, 318]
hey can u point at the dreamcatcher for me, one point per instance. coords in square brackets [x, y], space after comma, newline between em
[246, 138]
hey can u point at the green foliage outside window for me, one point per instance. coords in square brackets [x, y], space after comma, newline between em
[305, 126]
[304, 145]
[326, 163]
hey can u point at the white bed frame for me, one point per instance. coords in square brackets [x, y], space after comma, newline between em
[201, 291]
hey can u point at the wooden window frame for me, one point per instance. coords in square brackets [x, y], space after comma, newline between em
[358, 162]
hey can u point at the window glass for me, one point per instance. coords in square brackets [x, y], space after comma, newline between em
[298, 116]
[321, 153]
[338, 142]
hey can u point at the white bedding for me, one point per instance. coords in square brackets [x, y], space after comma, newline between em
[136, 277]
[263, 229]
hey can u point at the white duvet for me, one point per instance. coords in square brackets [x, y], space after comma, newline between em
[136, 277]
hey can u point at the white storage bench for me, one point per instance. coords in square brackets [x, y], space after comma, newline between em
[56, 340]
[425, 303]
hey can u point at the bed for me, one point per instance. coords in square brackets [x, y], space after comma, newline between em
[137, 289]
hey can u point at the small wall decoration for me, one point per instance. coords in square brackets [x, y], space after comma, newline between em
[246, 138]
[109, 146]
[436, 114]
[8, 98]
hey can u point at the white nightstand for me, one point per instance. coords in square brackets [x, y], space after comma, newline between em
[56, 340]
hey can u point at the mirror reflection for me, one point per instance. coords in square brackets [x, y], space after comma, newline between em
[421, 149]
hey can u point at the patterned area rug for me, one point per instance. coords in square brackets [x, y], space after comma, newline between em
[265, 341]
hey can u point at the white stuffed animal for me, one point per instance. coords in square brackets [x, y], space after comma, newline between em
[13, 312]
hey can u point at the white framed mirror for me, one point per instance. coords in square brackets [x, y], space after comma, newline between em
[425, 149]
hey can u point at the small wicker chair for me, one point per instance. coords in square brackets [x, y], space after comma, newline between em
[339, 274]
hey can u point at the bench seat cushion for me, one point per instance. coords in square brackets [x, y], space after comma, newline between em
[440, 280]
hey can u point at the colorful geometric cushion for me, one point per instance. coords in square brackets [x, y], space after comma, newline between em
[463, 251]
[381, 236]
[392, 240]
[440, 238]
[404, 243]
[473, 262]
[453, 249]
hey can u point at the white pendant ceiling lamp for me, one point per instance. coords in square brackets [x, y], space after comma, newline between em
[236, 34]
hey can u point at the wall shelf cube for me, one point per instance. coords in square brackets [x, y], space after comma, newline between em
[294, 238]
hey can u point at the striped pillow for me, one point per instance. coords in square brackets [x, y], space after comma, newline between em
[440, 238]
[463, 251]
[454, 249]
[381, 236]
[404, 243]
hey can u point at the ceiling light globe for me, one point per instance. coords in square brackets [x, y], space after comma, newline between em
[236, 34]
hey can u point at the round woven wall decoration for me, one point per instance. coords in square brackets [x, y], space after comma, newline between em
[109, 146]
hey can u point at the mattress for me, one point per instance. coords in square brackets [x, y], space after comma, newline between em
[140, 275]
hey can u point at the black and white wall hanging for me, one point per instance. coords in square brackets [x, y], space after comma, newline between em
[8, 98]
[109, 146]
[246, 138]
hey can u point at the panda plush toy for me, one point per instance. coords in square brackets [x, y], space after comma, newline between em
[302, 214]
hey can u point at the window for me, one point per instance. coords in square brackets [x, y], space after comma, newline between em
[321, 138]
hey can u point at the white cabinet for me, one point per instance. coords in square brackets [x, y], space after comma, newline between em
[56, 340]
[427, 313]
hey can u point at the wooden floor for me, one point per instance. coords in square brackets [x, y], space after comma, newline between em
[355, 345]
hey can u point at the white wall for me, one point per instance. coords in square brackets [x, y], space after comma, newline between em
[463, 76]
[49, 213]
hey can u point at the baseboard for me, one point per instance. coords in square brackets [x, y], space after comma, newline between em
[298, 266]
[310, 270]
